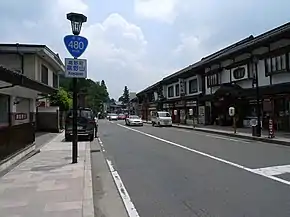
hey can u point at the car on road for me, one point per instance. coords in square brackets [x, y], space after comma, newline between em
[133, 120]
[113, 117]
[161, 118]
[121, 116]
[85, 123]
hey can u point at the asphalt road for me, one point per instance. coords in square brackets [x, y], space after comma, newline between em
[174, 172]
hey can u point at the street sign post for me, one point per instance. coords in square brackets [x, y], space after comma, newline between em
[75, 68]
[76, 45]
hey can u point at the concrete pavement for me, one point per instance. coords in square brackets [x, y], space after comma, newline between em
[48, 184]
[179, 172]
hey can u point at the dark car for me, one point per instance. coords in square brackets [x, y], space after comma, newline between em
[85, 123]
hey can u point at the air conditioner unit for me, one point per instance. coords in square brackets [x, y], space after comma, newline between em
[239, 73]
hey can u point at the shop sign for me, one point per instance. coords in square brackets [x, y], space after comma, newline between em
[20, 116]
[165, 105]
[191, 103]
[179, 104]
[181, 87]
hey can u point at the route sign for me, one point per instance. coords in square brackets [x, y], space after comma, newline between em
[75, 68]
[75, 44]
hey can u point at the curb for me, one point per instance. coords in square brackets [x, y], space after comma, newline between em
[88, 203]
[266, 140]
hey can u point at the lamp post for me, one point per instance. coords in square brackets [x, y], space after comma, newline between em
[255, 61]
[76, 24]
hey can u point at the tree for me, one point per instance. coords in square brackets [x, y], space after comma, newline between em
[96, 92]
[126, 95]
[62, 99]
[121, 99]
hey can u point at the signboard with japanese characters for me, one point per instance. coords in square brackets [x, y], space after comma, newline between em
[75, 68]
[182, 87]
[20, 116]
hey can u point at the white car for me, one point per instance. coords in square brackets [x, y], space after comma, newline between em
[113, 117]
[161, 118]
[134, 120]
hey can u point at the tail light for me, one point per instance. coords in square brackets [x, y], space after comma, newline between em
[92, 122]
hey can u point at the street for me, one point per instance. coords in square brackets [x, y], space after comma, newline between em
[180, 173]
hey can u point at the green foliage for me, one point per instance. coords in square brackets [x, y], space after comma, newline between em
[62, 99]
[96, 92]
[126, 96]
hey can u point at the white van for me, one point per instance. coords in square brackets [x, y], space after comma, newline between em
[161, 118]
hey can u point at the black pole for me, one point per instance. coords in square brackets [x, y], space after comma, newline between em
[258, 102]
[75, 133]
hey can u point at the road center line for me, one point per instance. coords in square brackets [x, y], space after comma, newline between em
[209, 156]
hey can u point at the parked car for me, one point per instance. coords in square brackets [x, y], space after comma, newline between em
[121, 116]
[161, 118]
[85, 123]
[113, 117]
[133, 120]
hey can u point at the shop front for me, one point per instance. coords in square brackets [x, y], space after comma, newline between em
[191, 105]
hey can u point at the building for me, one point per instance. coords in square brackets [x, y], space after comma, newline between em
[228, 78]
[28, 74]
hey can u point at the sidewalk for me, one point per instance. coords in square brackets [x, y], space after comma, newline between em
[245, 133]
[48, 185]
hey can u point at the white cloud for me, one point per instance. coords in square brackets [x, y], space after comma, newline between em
[118, 49]
[162, 10]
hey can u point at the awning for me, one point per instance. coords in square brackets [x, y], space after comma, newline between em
[18, 79]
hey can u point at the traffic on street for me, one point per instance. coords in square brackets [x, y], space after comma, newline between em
[167, 171]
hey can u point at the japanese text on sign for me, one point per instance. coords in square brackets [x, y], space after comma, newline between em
[75, 68]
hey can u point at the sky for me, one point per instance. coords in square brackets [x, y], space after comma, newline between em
[138, 42]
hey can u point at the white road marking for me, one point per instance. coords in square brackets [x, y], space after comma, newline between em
[131, 210]
[210, 156]
[274, 170]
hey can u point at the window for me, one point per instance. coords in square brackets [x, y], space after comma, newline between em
[55, 80]
[177, 90]
[170, 91]
[192, 86]
[239, 73]
[276, 64]
[44, 74]
[4, 110]
[163, 114]
[213, 80]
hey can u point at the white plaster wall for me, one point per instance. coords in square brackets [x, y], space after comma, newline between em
[225, 76]
[263, 80]
[48, 109]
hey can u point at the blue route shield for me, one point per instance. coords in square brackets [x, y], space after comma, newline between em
[76, 45]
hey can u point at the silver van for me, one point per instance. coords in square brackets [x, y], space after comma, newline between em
[161, 118]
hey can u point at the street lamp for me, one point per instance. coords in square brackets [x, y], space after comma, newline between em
[76, 24]
[255, 61]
